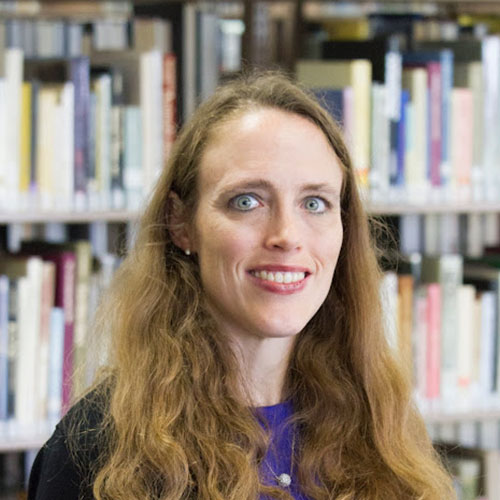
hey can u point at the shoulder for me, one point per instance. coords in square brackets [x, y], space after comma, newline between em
[63, 466]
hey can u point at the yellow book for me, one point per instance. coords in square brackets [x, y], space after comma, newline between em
[47, 136]
[25, 142]
[348, 29]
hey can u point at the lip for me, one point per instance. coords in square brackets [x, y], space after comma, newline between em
[281, 268]
[280, 288]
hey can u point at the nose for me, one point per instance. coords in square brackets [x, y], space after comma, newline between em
[283, 231]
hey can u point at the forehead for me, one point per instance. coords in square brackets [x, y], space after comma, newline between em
[269, 143]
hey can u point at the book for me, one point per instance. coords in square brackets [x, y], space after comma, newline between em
[486, 278]
[55, 365]
[467, 341]
[434, 342]
[29, 273]
[4, 347]
[9, 169]
[132, 157]
[380, 142]
[470, 75]
[25, 146]
[169, 89]
[437, 117]
[461, 144]
[491, 101]
[44, 332]
[446, 271]
[415, 81]
[74, 105]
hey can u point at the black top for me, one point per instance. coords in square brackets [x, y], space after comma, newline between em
[63, 472]
[56, 473]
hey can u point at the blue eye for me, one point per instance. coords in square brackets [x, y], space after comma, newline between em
[244, 202]
[315, 204]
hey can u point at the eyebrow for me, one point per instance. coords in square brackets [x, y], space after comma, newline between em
[264, 184]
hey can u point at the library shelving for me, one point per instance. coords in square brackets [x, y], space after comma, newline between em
[384, 105]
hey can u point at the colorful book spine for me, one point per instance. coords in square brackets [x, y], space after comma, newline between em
[80, 76]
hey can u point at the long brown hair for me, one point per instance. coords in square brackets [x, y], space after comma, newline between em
[176, 426]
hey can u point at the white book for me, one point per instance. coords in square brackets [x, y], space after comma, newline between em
[42, 368]
[208, 56]
[466, 340]
[380, 140]
[56, 351]
[3, 142]
[65, 150]
[100, 190]
[48, 147]
[487, 370]
[13, 80]
[29, 313]
[491, 103]
[415, 80]
[151, 96]
[132, 157]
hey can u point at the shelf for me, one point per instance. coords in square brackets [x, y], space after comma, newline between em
[67, 217]
[432, 208]
[457, 418]
[82, 10]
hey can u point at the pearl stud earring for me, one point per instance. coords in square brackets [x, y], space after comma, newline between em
[187, 251]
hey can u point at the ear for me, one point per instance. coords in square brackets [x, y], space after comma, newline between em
[178, 222]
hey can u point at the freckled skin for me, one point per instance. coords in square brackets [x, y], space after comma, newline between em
[261, 181]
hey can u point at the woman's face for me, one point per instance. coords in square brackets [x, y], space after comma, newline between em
[268, 226]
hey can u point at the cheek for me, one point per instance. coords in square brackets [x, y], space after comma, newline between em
[221, 246]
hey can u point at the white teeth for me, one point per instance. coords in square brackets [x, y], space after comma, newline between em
[279, 277]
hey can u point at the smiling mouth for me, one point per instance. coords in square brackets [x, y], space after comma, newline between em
[279, 276]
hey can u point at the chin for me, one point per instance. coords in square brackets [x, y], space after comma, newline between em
[281, 330]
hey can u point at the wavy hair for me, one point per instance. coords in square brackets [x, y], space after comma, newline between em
[176, 426]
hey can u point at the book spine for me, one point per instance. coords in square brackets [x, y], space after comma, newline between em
[4, 346]
[133, 174]
[68, 302]
[10, 171]
[433, 342]
[56, 356]
[435, 127]
[80, 76]
[117, 191]
[169, 103]
[446, 61]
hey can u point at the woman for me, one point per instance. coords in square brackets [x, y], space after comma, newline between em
[248, 357]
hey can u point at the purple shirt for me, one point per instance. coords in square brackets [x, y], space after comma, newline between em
[278, 459]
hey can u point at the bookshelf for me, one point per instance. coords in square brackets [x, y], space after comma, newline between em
[68, 217]
[192, 79]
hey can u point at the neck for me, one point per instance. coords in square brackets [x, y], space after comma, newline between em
[264, 364]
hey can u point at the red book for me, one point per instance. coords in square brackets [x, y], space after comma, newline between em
[169, 103]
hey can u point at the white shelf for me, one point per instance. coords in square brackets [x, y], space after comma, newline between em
[66, 217]
[462, 417]
[433, 208]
